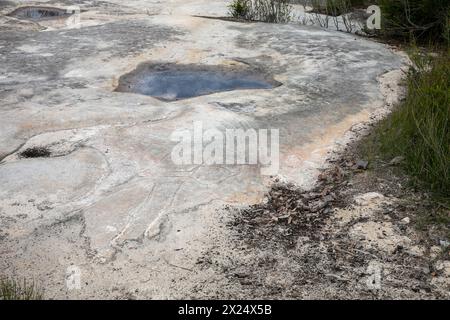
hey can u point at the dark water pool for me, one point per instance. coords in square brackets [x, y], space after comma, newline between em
[175, 82]
[39, 13]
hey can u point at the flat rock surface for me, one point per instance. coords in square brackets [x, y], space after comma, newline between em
[108, 198]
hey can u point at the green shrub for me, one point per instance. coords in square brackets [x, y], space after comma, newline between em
[419, 129]
[425, 20]
[239, 9]
[14, 290]
[273, 11]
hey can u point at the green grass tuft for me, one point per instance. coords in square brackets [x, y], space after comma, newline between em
[271, 11]
[13, 290]
[419, 128]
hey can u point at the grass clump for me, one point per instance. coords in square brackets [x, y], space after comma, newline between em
[240, 9]
[419, 128]
[272, 11]
[14, 290]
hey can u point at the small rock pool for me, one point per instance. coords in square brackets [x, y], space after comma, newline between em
[39, 13]
[170, 82]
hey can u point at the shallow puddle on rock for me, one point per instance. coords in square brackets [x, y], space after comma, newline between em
[39, 13]
[171, 82]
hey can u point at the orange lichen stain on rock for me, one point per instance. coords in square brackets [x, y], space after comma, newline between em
[313, 154]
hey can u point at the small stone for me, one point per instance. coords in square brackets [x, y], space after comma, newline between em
[369, 198]
[45, 205]
[406, 220]
[444, 243]
[396, 161]
[362, 164]
[417, 251]
[446, 269]
[435, 251]
[426, 270]
[439, 265]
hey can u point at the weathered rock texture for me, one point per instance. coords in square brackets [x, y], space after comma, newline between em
[108, 199]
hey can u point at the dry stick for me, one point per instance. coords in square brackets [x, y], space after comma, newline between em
[175, 266]
[357, 250]
[337, 277]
